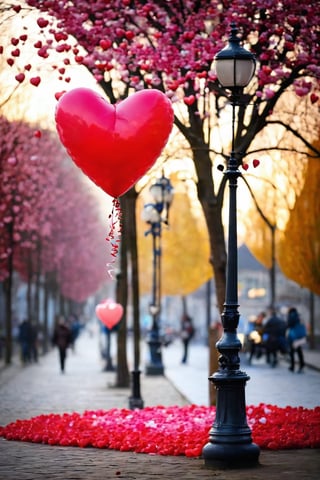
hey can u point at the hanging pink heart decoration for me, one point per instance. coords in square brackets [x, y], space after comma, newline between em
[109, 313]
[114, 145]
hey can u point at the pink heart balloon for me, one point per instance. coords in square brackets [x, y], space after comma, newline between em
[108, 300]
[109, 313]
[114, 145]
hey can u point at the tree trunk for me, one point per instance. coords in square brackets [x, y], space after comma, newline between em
[61, 303]
[8, 318]
[45, 340]
[208, 308]
[36, 312]
[212, 208]
[132, 248]
[214, 333]
[29, 287]
[211, 203]
[312, 342]
[122, 374]
[273, 268]
[8, 301]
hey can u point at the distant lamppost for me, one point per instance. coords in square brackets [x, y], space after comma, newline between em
[230, 440]
[155, 214]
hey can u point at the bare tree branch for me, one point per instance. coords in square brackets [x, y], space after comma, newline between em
[296, 134]
[10, 95]
[263, 216]
[282, 149]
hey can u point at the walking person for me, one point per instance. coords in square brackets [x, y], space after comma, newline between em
[274, 337]
[75, 327]
[187, 332]
[255, 337]
[62, 338]
[25, 340]
[297, 337]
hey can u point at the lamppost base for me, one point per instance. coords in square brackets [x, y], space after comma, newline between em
[155, 365]
[230, 443]
[231, 456]
[135, 401]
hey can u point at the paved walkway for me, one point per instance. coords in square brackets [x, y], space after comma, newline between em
[40, 388]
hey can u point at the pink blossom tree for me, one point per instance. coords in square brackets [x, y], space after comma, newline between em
[49, 221]
[18, 155]
[80, 234]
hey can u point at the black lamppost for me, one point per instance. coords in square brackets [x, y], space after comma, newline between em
[155, 214]
[230, 441]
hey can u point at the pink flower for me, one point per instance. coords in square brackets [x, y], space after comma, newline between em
[269, 93]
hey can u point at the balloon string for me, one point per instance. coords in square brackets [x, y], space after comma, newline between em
[114, 234]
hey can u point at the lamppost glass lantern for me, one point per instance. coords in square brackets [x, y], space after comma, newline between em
[234, 65]
[155, 214]
[230, 441]
[150, 214]
[162, 191]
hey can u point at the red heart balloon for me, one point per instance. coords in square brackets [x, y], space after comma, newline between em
[114, 145]
[109, 313]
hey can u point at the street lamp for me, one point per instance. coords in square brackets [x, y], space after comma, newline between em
[155, 214]
[230, 441]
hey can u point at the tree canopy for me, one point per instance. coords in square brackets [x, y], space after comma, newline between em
[299, 245]
[171, 46]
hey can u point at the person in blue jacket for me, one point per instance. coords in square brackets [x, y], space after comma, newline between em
[297, 336]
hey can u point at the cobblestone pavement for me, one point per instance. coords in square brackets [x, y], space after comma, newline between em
[25, 461]
[40, 388]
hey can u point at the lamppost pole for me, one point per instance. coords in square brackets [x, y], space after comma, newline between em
[230, 441]
[162, 193]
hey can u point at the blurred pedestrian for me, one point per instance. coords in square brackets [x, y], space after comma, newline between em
[274, 337]
[187, 333]
[25, 339]
[62, 338]
[75, 326]
[297, 337]
[255, 337]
